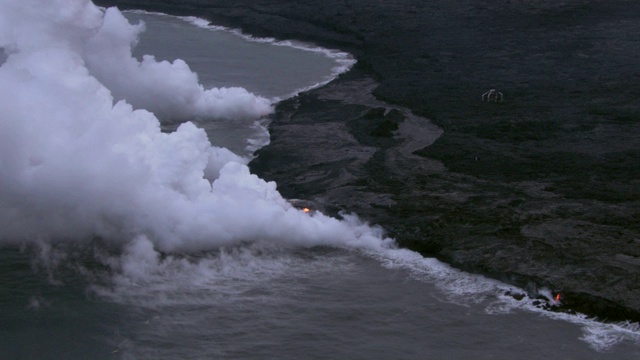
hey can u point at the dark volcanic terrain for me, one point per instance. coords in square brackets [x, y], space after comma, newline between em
[541, 189]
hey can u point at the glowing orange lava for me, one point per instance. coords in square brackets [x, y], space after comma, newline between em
[558, 297]
[307, 210]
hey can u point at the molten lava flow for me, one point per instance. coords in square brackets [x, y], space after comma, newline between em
[307, 210]
[558, 297]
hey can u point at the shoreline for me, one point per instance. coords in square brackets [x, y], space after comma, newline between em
[536, 191]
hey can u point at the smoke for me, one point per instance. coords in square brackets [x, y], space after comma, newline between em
[82, 154]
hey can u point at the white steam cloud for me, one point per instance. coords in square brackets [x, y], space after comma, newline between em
[169, 90]
[82, 154]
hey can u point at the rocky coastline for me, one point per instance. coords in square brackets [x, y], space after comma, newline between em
[538, 188]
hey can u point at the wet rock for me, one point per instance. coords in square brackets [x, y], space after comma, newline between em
[516, 295]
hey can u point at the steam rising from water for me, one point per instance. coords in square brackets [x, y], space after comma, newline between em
[82, 154]
[169, 90]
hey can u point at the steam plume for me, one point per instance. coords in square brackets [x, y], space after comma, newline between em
[82, 154]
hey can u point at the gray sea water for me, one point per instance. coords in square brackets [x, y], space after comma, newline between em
[265, 301]
[227, 58]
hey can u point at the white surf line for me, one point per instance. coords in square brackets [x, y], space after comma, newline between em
[475, 288]
[344, 60]
[465, 288]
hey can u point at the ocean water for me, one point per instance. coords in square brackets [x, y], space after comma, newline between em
[228, 58]
[260, 299]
